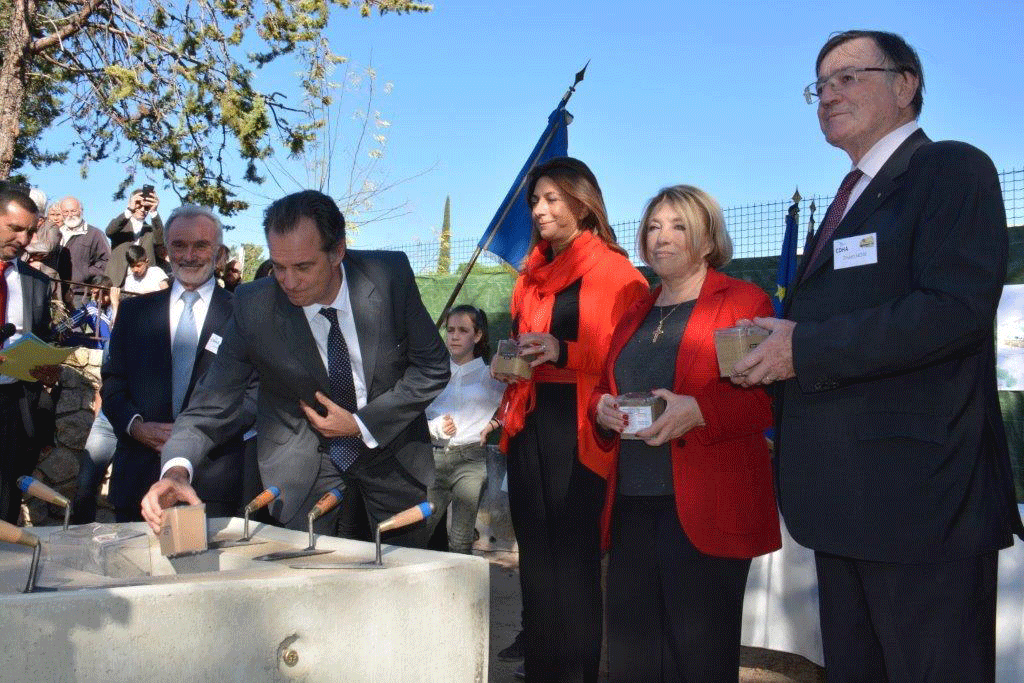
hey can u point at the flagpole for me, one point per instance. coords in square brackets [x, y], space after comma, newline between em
[508, 206]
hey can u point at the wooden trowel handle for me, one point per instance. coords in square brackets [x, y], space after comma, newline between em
[12, 534]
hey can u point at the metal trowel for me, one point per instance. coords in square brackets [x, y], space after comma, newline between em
[322, 507]
[259, 502]
[12, 534]
[403, 518]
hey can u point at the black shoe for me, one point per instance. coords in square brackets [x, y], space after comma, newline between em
[514, 652]
[520, 672]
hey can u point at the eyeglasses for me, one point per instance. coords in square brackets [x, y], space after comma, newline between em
[840, 80]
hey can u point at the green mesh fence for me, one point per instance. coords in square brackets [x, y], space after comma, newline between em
[491, 290]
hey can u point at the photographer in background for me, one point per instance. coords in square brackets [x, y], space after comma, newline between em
[131, 227]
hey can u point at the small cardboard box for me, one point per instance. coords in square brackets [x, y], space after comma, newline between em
[643, 409]
[733, 343]
[507, 361]
[184, 530]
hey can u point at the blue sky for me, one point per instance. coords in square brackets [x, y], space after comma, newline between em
[708, 95]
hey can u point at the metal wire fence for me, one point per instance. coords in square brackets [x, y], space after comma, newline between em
[756, 229]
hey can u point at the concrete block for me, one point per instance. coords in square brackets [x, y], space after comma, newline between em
[223, 616]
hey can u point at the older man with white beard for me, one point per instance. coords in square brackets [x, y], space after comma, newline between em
[86, 250]
[161, 346]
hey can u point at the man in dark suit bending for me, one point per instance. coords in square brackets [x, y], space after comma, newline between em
[347, 358]
[162, 343]
[892, 460]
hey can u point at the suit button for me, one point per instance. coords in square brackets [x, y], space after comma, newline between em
[321, 448]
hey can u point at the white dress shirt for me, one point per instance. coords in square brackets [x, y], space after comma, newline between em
[471, 398]
[199, 310]
[135, 223]
[871, 163]
[15, 310]
[321, 327]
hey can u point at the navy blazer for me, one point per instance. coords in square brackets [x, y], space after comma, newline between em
[891, 444]
[137, 381]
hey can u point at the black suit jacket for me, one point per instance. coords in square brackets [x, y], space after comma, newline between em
[37, 405]
[137, 381]
[891, 443]
[121, 235]
[404, 362]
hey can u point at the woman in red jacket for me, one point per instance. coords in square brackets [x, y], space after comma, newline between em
[690, 499]
[575, 285]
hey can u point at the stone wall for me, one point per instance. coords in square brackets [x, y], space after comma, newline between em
[58, 466]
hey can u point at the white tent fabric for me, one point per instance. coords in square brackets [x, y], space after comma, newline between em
[780, 611]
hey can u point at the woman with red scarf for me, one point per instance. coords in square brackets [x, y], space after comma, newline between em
[575, 285]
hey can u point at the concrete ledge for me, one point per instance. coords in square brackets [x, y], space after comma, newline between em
[423, 618]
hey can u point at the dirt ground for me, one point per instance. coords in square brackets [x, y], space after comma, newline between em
[757, 665]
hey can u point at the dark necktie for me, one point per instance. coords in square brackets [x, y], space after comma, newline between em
[834, 215]
[344, 449]
[3, 291]
[183, 351]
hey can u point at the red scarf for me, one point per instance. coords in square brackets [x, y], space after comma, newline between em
[533, 301]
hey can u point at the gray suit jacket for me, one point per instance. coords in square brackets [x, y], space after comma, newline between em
[404, 362]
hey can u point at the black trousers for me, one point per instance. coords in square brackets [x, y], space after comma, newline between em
[18, 452]
[908, 623]
[370, 494]
[674, 613]
[555, 503]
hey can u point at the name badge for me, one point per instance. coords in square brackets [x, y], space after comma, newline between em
[214, 343]
[859, 250]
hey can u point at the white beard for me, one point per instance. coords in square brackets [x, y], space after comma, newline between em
[70, 228]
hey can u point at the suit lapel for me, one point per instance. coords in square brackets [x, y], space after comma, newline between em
[297, 340]
[365, 302]
[28, 313]
[218, 311]
[700, 328]
[877, 191]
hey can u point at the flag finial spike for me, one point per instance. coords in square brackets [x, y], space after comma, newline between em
[572, 88]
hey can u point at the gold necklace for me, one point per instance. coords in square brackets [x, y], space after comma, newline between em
[660, 330]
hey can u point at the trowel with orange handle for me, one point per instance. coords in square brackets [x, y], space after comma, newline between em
[404, 518]
[12, 534]
[33, 487]
[327, 503]
[258, 503]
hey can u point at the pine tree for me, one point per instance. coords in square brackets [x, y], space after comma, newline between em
[444, 255]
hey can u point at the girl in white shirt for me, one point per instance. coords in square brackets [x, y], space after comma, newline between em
[459, 419]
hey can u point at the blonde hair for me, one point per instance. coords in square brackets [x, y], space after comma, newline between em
[703, 218]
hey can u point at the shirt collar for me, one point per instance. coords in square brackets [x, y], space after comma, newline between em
[466, 367]
[205, 290]
[871, 163]
[71, 232]
[340, 302]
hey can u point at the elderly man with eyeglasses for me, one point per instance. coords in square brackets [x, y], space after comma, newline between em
[892, 459]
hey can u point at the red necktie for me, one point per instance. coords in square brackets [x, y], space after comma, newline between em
[834, 215]
[3, 291]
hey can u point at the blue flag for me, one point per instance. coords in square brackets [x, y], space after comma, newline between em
[787, 262]
[508, 235]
